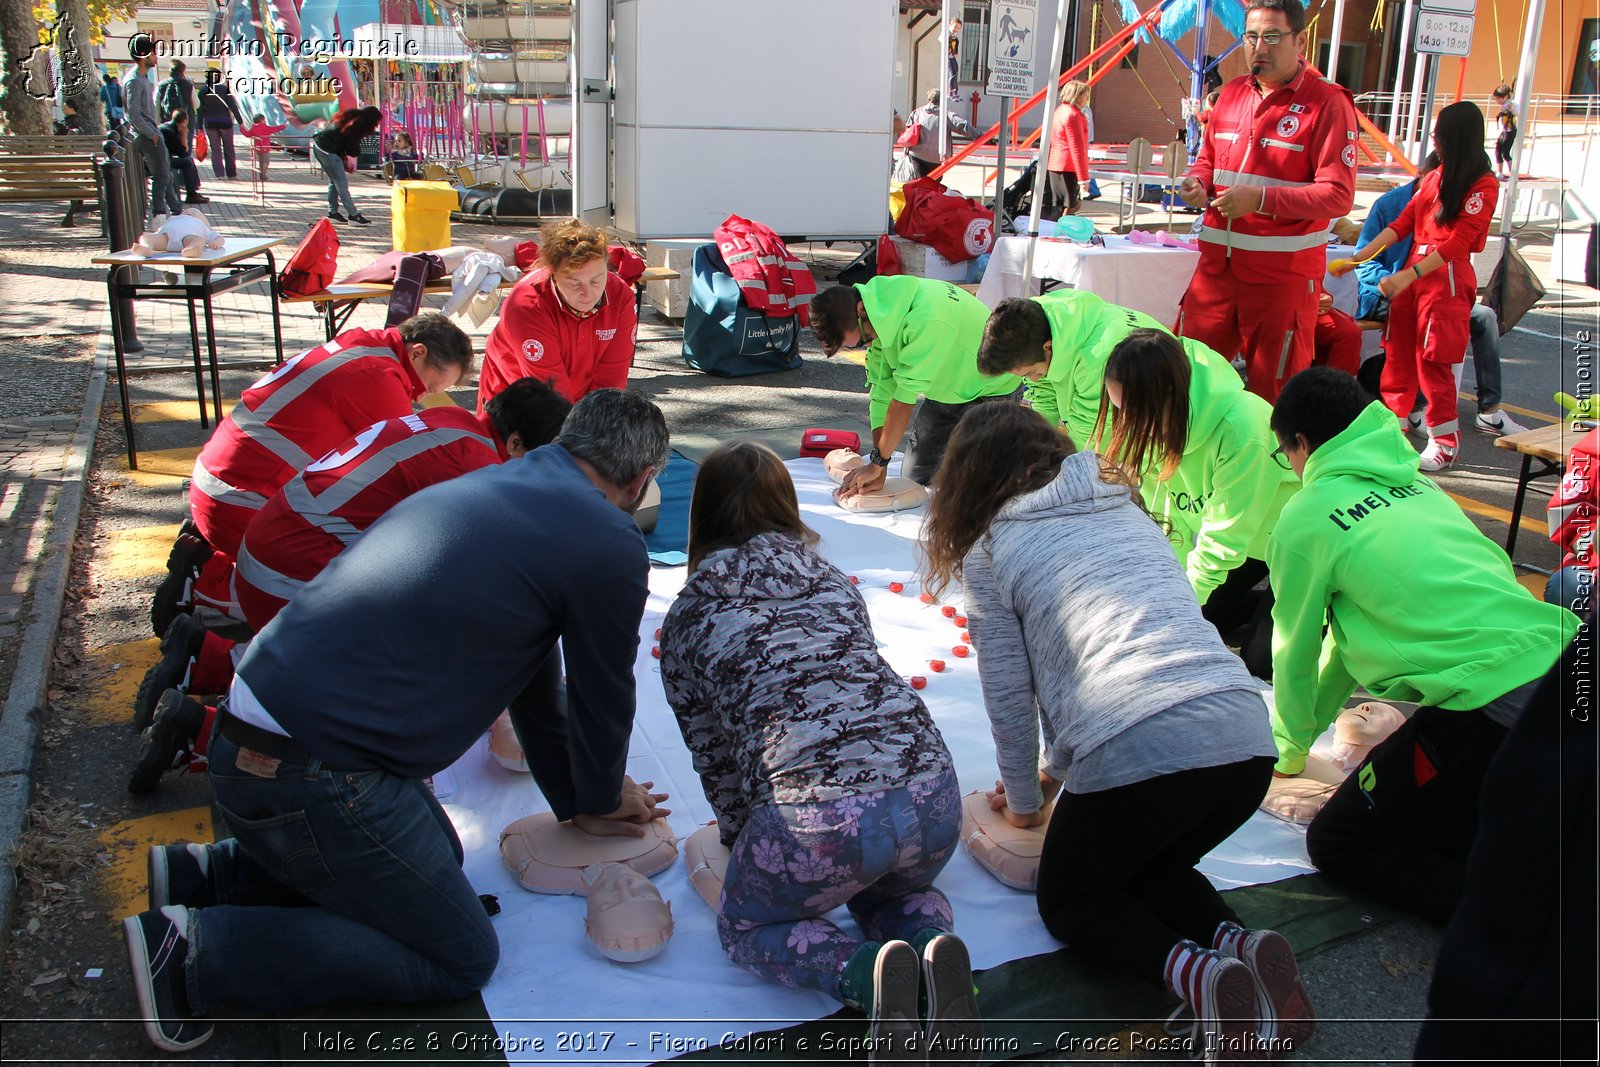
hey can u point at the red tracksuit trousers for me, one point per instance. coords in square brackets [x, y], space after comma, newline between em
[1272, 326]
[1426, 337]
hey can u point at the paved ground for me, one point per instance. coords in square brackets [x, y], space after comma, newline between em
[83, 540]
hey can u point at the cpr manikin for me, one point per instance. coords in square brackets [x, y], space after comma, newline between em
[896, 494]
[547, 856]
[188, 234]
[1356, 732]
[1010, 853]
[627, 920]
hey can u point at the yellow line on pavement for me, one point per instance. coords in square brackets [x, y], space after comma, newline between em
[1534, 583]
[438, 400]
[174, 411]
[128, 843]
[137, 553]
[1535, 524]
[121, 667]
[171, 462]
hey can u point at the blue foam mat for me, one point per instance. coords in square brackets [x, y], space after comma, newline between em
[670, 538]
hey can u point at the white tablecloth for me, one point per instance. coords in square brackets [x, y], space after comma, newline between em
[1143, 277]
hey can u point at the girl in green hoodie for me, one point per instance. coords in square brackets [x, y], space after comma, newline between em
[1201, 445]
[1417, 606]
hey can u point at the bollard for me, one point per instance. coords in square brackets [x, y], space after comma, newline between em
[121, 228]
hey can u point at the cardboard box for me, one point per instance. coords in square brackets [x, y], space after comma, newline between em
[671, 298]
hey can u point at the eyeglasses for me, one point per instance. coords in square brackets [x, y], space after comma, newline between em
[1254, 39]
[1280, 459]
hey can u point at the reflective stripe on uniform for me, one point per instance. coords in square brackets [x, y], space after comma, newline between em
[318, 508]
[223, 493]
[1444, 429]
[1273, 142]
[247, 568]
[254, 423]
[1293, 242]
[1234, 177]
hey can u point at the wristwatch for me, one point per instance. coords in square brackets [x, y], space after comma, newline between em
[877, 458]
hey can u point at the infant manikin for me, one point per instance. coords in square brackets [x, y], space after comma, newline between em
[188, 233]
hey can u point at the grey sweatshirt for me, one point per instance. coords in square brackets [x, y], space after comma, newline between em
[140, 98]
[1085, 623]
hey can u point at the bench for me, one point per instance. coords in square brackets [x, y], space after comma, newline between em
[50, 144]
[74, 178]
[338, 302]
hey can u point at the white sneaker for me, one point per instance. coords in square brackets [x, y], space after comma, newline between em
[1498, 424]
[1437, 457]
[1414, 421]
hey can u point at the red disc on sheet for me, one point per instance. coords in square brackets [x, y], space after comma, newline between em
[897, 587]
[936, 665]
[655, 651]
[960, 651]
[960, 620]
[854, 580]
[926, 598]
[918, 681]
[966, 637]
[658, 633]
[948, 611]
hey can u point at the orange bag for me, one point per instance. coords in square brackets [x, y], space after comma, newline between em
[200, 146]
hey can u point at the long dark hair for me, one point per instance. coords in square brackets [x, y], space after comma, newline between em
[742, 489]
[997, 452]
[1153, 424]
[357, 121]
[1458, 135]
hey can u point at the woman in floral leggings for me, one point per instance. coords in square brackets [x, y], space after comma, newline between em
[830, 782]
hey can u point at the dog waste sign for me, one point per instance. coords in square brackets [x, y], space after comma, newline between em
[1013, 25]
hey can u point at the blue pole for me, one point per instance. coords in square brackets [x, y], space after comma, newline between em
[1197, 81]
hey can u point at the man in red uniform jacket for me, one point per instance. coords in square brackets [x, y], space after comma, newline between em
[326, 506]
[1276, 165]
[285, 421]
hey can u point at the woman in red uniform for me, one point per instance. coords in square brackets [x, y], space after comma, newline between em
[1430, 297]
[570, 322]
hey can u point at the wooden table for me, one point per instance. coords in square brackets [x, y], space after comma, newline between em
[1550, 445]
[197, 282]
[338, 302]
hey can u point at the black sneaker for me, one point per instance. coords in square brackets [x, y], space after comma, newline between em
[189, 553]
[177, 724]
[158, 943]
[955, 1032]
[361, 219]
[337, 216]
[180, 874]
[179, 646]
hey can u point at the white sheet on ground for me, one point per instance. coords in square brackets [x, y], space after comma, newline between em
[550, 978]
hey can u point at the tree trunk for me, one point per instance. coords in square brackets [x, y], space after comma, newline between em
[80, 80]
[19, 34]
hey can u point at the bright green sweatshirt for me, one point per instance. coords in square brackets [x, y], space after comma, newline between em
[928, 334]
[1083, 331]
[1420, 606]
[1221, 503]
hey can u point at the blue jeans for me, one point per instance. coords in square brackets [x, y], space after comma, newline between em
[1484, 329]
[164, 197]
[1572, 587]
[337, 885]
[338, 181]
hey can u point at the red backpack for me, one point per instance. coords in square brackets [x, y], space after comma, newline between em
[312, 266]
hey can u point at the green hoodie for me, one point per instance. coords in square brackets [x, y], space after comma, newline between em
[1221, 503]
[1083, 331]
[1420, 605]
[928, 335]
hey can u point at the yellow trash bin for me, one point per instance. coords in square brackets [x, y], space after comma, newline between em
[421, 215]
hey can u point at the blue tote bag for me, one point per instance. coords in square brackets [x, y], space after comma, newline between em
[722, 336]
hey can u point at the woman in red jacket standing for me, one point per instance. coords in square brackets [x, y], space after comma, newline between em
[1430, 297]
[570, 322]
[1069, 147]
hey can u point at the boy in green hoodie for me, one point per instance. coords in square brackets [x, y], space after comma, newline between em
[922, 336]
[1060, 343]
[1419, 607]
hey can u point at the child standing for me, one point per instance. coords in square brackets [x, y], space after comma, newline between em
[1431, 296]
[260, 134]
[405, 157]
[1506, 123]
[830, 782]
